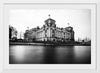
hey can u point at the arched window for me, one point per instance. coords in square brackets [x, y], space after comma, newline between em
[53, 33]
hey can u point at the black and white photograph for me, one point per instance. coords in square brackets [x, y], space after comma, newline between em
[50, 36]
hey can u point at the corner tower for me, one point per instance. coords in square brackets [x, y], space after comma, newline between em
[50, 29]
[50, 22]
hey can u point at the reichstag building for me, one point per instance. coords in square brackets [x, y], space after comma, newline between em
[50, 32]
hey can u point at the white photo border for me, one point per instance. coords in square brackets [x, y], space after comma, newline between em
[8, 7]
[96, 2]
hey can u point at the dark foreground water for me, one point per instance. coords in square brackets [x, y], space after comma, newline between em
[20, 54]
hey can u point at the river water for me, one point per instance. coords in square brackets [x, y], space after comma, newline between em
[28, 54]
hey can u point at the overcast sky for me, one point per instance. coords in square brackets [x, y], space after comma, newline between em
[80, 20]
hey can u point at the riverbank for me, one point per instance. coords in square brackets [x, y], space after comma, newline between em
[42, 44]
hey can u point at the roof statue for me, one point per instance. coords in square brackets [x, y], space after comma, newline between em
[68, 24]
[49, 15]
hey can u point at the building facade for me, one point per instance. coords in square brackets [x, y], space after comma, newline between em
[50, 32]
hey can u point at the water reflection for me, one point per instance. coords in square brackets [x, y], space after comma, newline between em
[82, 55]
[26, 54]
[49, 54]
[65, 54]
